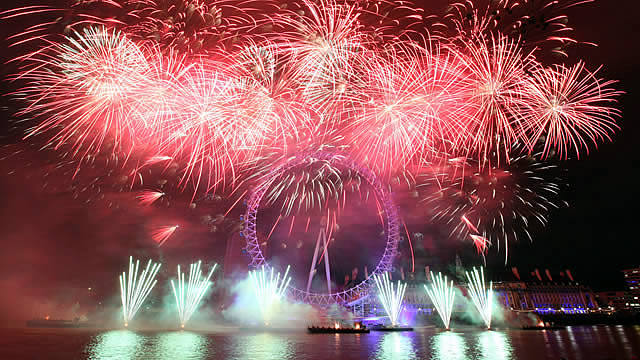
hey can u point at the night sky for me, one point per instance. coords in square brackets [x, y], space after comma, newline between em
[53, 244]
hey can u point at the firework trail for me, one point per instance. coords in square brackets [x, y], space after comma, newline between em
[149, 197]
[268, 289]
[481, 296]
[442, 295]
[189, 294]
[390, 296]
[134, 288]
[162, 234]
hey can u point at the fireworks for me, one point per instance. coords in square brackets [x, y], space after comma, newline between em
[161, 235]
[442, 295]
[188, 297]
[214, 93]
[481, 296]
[568, 108]
[494, 204]
[134, 288]
[268, 289]
[149, 197]
[390, 296]
[81, 89]
[496, 67]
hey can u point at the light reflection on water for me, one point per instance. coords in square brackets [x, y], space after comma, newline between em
[182, 345]
[588, 342]
[116, 344]
[264, 346]
[494, 345]
[395, 346]
[448, 345]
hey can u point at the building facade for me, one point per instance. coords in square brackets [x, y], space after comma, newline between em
[613, 300]
[568, 298]
[632, 281]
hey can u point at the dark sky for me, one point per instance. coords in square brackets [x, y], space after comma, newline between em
[50, 240]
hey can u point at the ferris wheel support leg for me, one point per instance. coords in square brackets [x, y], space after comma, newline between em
[313, 262]
[327, 267]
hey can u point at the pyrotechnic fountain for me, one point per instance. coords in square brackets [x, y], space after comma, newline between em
[134, 289]
[187, 300]
[481, 296]
[269, 289]
[442, 295]
[390, 296]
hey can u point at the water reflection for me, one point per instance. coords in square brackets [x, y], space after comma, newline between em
[182, 345]
[262, 347]
[117, 344]
[494, 346]
[395, 346]
[448, 345]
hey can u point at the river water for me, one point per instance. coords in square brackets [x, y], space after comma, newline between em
[581, 342]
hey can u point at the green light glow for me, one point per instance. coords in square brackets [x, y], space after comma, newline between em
[481, 296]
[135, 289]
[182, 345]
[390, 296]
[116, 345]
[189, 297]
[448, 346]
[441, 295]
[395, 346]
[494, 346]
[269, 290]
[263, 346]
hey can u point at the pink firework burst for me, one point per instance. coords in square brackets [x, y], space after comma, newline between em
[411, 110]
[496, 69]
[568, 108]
[81, 90]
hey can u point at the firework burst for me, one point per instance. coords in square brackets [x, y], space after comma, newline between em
[494, 204]
[568, 108]
[82, 91]
[211, 95]
[162, 234]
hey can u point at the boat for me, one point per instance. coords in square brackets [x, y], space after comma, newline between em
[337, 330]
[57, 323]
[554, 327]
[392, 328]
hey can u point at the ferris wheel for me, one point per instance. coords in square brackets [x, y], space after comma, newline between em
[328, 294]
